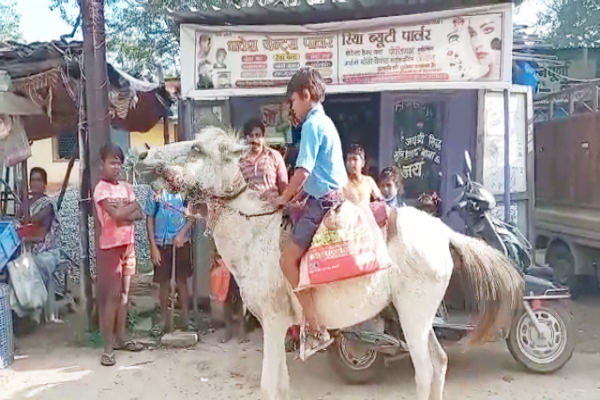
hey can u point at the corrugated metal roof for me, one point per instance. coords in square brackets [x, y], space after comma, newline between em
[300, 12]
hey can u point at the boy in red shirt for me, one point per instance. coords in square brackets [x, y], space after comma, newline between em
[117, 209]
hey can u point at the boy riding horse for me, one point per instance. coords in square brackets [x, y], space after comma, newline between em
[320, 173]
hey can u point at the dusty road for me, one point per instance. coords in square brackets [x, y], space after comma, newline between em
[232, 371]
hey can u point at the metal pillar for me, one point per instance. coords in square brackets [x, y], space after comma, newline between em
[506, 155]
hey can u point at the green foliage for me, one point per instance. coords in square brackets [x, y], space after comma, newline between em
[141, 37]
[10, 21]
[571, 23]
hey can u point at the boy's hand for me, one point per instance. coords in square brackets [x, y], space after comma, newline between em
[179, 239]
[155, 255]
[279, 201]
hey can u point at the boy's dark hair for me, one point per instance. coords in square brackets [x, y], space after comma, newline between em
[357, 149]
[41, 171]
[391, 173]
[221, 51]
[252, 124]
[310, 79]
[111, 150]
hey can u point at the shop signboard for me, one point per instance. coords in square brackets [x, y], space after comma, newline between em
[460, 48]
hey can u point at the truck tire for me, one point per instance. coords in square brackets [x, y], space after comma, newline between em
[354, 369]
[562, 262]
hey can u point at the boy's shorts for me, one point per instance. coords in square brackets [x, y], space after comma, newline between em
[305, 227]
[183, 263]
[111, 266]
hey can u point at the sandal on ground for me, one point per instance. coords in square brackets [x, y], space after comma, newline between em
[131, 346]
[108, 360]
[189, 327]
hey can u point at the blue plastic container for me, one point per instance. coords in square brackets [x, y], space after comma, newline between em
[7, 344]
[9, 242]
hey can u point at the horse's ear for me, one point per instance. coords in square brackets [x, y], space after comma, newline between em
[231, 153]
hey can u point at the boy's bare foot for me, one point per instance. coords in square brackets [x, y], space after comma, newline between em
[226, 335]
[166, 326]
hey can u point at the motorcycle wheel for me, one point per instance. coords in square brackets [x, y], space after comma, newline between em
[353, 362]
[543, 355]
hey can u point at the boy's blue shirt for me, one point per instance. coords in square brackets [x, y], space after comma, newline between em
[168, 216]
[395, 202]
[321, 154]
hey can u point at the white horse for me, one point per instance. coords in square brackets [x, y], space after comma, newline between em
[247, 234]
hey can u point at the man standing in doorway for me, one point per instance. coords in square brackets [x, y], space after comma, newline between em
[263, 168]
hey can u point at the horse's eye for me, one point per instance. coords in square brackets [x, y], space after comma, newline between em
[197, 148]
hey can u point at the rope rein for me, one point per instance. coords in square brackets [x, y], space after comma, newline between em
[215, 202]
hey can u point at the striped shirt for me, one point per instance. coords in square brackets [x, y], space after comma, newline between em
[264, 171]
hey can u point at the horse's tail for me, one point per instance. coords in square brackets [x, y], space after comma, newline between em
[491, 279]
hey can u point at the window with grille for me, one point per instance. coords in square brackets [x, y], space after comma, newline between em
[65, 145]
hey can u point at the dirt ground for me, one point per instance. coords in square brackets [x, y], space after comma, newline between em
[50, 366]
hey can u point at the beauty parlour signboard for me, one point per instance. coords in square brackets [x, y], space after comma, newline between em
[464, 47]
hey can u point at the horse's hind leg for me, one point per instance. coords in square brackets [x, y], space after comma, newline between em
[440, 365]
[416, 324]
[416, 308]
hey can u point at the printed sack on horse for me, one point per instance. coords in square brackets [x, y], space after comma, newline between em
[348, 244]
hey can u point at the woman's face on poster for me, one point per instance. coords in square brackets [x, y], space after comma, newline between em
[485, 40]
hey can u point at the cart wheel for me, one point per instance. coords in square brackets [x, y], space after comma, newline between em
[543, 354]
[355, 363]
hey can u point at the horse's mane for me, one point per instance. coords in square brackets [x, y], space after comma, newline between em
[216, 139]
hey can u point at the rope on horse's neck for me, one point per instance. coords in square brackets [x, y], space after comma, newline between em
[216, 203]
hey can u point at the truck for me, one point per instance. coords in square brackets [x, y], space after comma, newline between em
[567, 184]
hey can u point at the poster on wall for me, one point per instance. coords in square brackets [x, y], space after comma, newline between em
[460, 48]
[493, 145]
[419, 148]
[241, 60]
[276, 118]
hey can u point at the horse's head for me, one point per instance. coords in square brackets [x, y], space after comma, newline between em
[206, 166]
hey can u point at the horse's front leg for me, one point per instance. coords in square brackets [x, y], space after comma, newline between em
[275, 381]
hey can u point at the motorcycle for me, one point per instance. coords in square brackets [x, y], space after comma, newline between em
[542, 334]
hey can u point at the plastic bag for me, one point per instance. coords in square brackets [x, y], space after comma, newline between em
[220, 278]
[14, 148]
[27, 282]
[348, 244]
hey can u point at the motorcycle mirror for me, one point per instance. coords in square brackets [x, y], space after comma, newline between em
[468, 167]
[458, 181]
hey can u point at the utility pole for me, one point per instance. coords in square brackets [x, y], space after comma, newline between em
[97, 115]
[96, 80]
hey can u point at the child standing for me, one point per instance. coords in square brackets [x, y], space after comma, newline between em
[117, 209]
[168, 232]
[390, 183]
[320, 173]
[361, 189]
